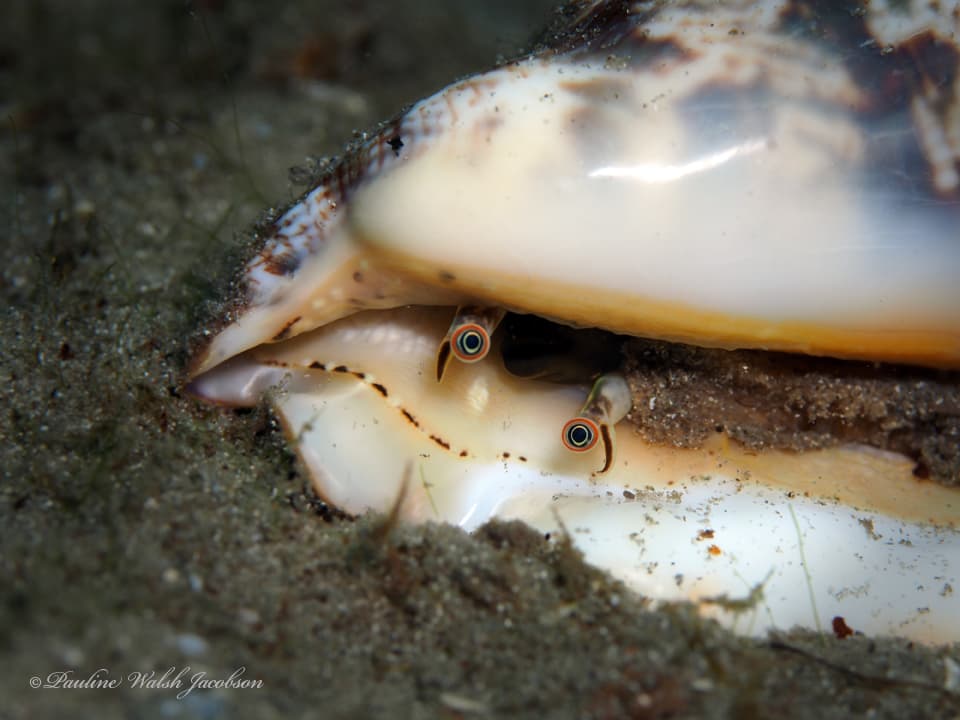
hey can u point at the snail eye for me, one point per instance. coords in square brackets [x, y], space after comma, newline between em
[470, 343]
[580, 434]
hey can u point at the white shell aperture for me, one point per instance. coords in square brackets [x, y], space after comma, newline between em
[878, 546]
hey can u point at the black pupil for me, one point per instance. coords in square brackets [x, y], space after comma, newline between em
[471, 342]
[579, 435]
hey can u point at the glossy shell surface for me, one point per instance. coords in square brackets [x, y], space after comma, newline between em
[781, 175]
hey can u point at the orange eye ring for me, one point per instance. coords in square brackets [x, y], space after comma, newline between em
[470, 343]
[580, 434]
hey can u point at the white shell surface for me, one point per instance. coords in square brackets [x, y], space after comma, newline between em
[634, 193]
[583, 193]
[843, 532]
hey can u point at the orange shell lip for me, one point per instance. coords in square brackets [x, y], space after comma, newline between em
[910, 341]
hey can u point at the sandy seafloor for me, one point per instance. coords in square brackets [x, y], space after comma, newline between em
[141, 531]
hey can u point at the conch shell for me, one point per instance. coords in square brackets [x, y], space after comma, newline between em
[775, 175]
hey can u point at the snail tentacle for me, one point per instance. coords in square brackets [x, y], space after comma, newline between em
[469, 336]
[608, 403]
